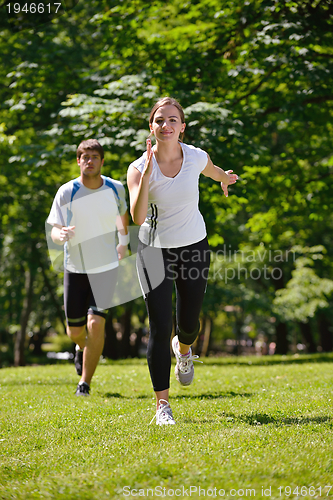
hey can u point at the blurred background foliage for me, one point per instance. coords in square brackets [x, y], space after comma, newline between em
[255, 79]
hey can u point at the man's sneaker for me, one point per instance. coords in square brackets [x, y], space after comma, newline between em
[78, 360]
[184, 369]
[82, 389]
[164, 414]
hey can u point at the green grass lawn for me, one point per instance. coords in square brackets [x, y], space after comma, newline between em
[249, 427]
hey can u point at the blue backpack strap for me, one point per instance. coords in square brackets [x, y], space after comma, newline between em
[76, 187]
[110, 184]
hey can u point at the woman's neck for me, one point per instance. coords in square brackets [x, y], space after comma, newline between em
[167, 152]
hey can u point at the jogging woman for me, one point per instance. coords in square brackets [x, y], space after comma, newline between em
[164, 195]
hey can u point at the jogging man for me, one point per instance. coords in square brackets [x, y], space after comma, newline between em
[85, 214]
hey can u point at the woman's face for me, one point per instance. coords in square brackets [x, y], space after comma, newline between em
[167, 124]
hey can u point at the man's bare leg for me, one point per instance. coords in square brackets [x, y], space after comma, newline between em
[78, 335]
[93, 346]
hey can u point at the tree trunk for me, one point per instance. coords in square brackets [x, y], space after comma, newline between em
[326, 333]
[206, 339]
[54, 298]
[125, 348]
[111, 343]
[37, 341]
[281, 332]
[238, 334]
[135, 349]
[307, 336]
[19, 355]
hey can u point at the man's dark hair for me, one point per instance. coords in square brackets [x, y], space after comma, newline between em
[91, 144]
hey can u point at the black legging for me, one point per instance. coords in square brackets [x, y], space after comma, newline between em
[188, 267]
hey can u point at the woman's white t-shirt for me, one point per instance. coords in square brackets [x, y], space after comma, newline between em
[173, 218]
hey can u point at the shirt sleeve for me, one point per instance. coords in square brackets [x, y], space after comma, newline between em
[202, 158]
[196, 156]
[139, 163]
[56, 215]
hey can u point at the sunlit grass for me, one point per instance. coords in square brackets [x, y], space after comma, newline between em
[242, 425]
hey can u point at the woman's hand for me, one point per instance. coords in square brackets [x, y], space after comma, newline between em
[138, 186]
[232, 179]
[148, 168]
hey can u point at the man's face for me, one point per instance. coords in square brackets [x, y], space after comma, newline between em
[90, 163]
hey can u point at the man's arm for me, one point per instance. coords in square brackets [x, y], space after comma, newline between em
[123, 236]
[122, 223]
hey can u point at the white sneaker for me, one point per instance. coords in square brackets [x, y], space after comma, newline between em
[184, 369]
[164, 414]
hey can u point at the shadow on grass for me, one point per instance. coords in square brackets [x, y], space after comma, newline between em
[230, 394]
[117, 395]
[216, 395]
[259, 419]
[114, 395]
[264, 419]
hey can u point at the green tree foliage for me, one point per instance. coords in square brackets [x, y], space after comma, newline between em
[255, 79]
[305, 292]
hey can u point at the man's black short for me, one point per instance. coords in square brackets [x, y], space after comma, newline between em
[88, 294]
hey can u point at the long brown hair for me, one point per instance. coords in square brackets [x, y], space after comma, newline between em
[168, 101]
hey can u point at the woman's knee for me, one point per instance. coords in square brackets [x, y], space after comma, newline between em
[161, 331]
